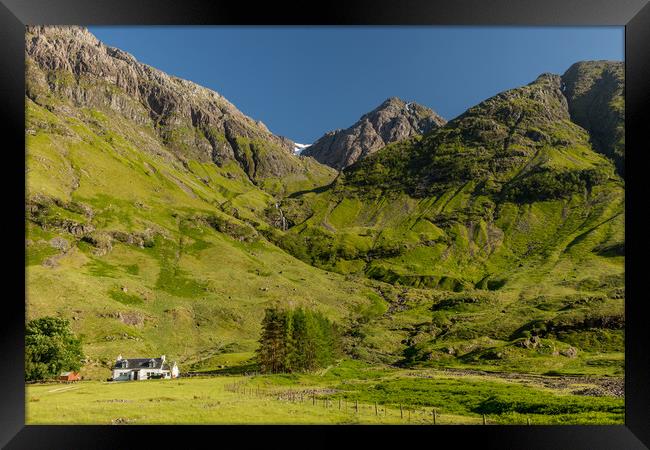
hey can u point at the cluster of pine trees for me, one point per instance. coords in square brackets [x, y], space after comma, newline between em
[297, 340]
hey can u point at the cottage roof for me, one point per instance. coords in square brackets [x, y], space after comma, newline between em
[139, 363]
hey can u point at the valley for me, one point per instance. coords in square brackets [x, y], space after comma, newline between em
[162, 220]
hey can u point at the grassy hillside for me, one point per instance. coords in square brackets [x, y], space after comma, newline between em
[510, 189]
[149, 255]
[510, 209]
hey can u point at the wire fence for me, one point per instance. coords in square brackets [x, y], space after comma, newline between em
[320, 398]
[217, 373]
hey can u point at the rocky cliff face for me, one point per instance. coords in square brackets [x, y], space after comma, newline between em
[392, 121]
[67, 68]
[594, 90]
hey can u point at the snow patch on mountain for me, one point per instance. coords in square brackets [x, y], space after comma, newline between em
[298, 148]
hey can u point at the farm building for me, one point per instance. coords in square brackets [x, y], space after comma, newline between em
[143, 369]
[69, 376]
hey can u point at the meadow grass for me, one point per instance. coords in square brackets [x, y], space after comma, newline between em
[332, 396]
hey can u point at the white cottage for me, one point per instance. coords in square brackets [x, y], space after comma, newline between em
[143, 369]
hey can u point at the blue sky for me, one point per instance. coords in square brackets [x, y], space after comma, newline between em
[304, 81]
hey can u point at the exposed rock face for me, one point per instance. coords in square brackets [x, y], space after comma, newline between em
[394, 120]
[69, 65]
[594, 90]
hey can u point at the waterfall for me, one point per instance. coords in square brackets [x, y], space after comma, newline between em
[283, 220]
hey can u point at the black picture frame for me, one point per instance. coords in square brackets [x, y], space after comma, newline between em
[634, 15]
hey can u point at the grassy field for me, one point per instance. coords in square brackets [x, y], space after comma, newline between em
[381, 394]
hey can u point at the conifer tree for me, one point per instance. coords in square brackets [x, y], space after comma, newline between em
[297, 340]
[272, 353]
[299, 356]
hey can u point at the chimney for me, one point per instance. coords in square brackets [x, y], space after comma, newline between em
[163, 358]
[119, 357]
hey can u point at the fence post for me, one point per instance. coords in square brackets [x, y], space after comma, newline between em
[527, 420]
[356, 406]
[401, 413]
[434, 415]
[376, 413]
[339, 403]
[483, 419]
[313, 399]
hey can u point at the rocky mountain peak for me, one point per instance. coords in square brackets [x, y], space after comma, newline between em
[551, 79]
[393, 120]
[67, 66]
[392, 101]
[594, 91]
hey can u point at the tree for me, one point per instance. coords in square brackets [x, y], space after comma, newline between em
[299, 355]
[297, 340]
[50, 347]
[273, 350]
[327, 340]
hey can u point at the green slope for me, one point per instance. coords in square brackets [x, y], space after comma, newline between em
[508, 203]
[147, 255]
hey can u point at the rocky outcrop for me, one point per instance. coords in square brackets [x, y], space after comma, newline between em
[55, 214]
[594, 90]
[392, 121]
[68, 68]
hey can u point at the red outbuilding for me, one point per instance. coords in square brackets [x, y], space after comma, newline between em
[69, 376]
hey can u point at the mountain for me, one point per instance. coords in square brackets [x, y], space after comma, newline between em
[141, 229]
[501, 144]
[391, 121]
[508, 205]
[594, 90]
[161, 220]
[191, 121]
[518, 149]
